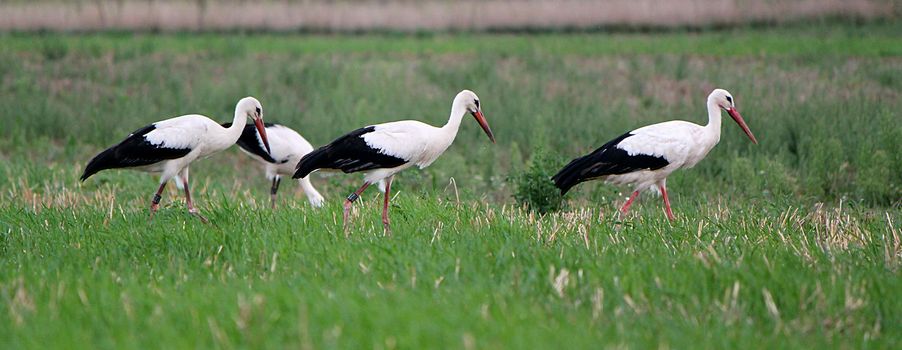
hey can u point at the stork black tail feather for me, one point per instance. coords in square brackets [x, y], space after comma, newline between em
[134, 151]
[104, 160]
[310, 162]
[571, 174]
[349, 153]
[608, 159]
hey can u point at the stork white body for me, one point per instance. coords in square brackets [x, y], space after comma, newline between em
[682, 144]
[419, 144]
[195, 132]
[383, 150]
[169, 147]
[645, 157]
[287, 148]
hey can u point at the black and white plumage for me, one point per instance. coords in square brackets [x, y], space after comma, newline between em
[168, 147]
[643, 158]
[383, 150]
[604, 161]
[137, 150]
[286, 149]
[349, 153]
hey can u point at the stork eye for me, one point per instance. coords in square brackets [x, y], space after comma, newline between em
[477, 103]
[729, 99]
[258, 110]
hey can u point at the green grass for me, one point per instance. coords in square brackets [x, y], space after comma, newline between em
[792, 243]
[874, 40]
[451, 275]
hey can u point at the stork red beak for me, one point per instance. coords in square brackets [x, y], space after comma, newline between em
[738, 118]
[258, 122]
[484, 124]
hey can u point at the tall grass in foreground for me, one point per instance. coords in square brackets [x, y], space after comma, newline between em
[454, 275]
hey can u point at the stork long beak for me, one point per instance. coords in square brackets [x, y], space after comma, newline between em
[484, 124]
[738, 118]
[258, 122]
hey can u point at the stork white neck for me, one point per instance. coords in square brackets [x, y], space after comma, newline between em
[458, 110]
[233, 132]
[713, 127]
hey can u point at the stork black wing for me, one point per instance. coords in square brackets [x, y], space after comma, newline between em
[250, 141]
[134, 151]
[348, 153]
[606, 160]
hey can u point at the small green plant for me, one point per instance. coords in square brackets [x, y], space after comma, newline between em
[533, 187]
[54, 49]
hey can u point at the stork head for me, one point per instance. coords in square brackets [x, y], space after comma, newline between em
[725, 101]
[468, 100]
[252, 108]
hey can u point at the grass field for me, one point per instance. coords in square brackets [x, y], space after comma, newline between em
[792, 243]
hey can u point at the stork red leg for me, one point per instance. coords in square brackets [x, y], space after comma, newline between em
[351, 198]
[190, 204]
[626, 206]
[387, 194]
[666, 202]
[272, 191]
[155, 203]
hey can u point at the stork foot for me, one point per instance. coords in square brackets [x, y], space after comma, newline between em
[622, 214]
[272, 192]
[387, 197]
[629, 202]
[155, 203]
[666, 203]
[202, 218]
[346, 217]
[153, 210]
[386, 228]
[197, 214]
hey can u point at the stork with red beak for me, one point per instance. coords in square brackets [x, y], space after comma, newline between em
[168, 147]
[643, 158]
[383, 150]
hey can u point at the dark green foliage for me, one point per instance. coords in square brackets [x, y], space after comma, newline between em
[54, 49]
[533, 187]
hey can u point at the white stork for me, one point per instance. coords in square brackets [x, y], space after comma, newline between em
[383, 150]
[287, 148]
[643, 158]
[168, 147]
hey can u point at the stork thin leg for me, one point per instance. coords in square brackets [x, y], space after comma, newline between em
[155, 203]
[387, 194]
[272, 191]
[351, 198]
[626, 206]
[666, 203]
[191, 209]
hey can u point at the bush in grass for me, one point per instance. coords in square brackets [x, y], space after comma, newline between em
[533, 187]
[54, 49]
